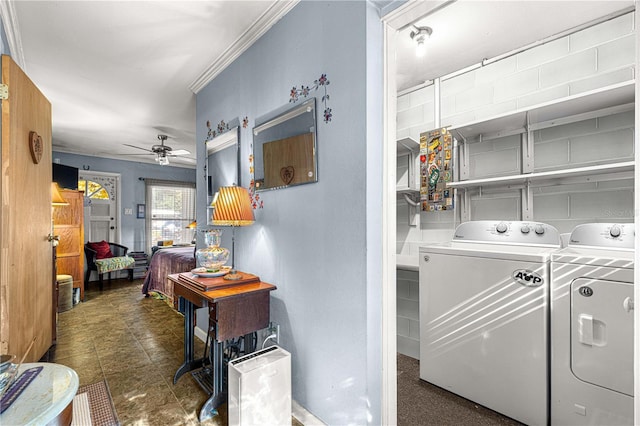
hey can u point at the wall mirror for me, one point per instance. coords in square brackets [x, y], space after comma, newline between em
[223, 163]
[284, 147]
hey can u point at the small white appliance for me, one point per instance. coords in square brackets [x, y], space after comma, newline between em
[592, 327]
[259, 388]
[484, 315]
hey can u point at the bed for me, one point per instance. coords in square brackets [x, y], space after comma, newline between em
[164, 262]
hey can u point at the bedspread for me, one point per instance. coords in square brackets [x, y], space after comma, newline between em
[165, 262]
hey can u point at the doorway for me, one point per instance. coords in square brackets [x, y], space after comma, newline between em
[395, 22]
[101, 205]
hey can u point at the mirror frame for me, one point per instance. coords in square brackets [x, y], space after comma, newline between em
[281, 117]
[223, 141]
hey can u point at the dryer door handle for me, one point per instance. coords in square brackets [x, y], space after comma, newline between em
[586, 329]
[627, 304]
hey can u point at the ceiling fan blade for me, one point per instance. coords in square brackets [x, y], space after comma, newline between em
[137, 147]
[178, 152]
[185, 160]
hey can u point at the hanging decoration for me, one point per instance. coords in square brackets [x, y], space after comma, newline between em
[436, 170]
[36, 146]
[304, 91]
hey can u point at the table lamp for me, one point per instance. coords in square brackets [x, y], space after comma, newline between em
[56, 197]
[232, 207]
[193, 225]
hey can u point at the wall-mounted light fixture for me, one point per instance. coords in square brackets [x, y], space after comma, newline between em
[420, 35]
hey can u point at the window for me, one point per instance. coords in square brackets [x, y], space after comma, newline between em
[171, 207]
[93, 189]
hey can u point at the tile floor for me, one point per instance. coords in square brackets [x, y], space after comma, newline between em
[135, 343]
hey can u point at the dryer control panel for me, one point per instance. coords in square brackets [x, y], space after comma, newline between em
[608, 235]
[508, 232]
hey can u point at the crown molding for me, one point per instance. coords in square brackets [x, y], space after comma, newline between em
[268, 19]
[12, 31]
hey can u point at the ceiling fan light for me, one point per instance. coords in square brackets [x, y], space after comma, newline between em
[163, 161]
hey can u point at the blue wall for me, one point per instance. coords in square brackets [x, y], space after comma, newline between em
[4, 44]
[319, 243]
[132, 188]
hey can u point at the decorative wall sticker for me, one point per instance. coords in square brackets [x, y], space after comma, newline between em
[256, 202]
[245, 122]
[221, 128]
[304, 91]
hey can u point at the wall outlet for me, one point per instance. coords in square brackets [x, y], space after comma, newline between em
[128, 211]
[274, 329]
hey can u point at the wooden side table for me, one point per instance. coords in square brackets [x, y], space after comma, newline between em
[47, 400]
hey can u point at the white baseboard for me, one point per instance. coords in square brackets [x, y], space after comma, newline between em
[303, 416]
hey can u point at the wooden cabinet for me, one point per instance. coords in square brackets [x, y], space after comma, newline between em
[68, 224]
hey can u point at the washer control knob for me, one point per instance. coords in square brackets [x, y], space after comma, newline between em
[615, 231]
[501, 228]
[539, 229]
[525, 229]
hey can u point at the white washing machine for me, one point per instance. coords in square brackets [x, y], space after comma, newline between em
[592, 327]
[484, 317]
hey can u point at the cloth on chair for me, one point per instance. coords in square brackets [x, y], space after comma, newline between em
[114, 264]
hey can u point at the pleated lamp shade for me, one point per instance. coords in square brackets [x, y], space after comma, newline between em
[56, 197]
[232, 207]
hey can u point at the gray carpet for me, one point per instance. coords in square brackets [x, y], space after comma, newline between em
[421, 403]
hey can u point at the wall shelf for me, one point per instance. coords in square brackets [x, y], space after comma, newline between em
[627, 166]
[408, 151]
[407, 146]
[518, 121]
[603, 102]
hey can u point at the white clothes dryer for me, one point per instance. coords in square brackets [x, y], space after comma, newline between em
[592, 327]
[484, 318]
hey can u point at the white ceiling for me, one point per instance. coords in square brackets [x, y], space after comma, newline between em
[467, 31]
[122, 72]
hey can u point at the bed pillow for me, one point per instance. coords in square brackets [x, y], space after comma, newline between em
[102, 249]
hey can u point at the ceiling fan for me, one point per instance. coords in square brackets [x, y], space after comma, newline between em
[163, 152]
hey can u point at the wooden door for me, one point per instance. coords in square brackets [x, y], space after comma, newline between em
[68, 224]
[102, 219]
[26, 284]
